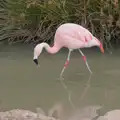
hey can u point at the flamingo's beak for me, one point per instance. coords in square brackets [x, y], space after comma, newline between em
[35, 61]
[101, 48]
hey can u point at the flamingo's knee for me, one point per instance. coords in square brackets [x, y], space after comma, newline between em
[66, 63]
[84, 58]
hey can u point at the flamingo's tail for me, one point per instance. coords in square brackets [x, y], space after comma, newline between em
[100, 45]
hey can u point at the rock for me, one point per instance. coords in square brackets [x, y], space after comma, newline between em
[19, 114]
[112, 115]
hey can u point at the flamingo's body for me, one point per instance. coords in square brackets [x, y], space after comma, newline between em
[71, 36]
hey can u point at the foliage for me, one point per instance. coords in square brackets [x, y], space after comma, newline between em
[36, 20]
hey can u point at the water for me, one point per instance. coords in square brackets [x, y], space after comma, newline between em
[23, 85]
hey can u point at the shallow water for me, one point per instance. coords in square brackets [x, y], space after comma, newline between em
[23, 85]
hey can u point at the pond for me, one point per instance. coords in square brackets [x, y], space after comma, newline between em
[23, 85]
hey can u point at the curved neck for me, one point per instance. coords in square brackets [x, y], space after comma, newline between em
[49, 49]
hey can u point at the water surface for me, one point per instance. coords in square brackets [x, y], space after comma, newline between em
[23, 85]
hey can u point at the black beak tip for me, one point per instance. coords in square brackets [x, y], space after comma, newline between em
[35, 61]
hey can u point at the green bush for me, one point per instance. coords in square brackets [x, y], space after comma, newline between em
[36, 20]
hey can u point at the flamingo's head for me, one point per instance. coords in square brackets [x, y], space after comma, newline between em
[37, 50]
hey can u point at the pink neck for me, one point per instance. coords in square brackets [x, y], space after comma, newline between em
[51, 50]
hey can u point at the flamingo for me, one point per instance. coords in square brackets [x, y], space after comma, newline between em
[72, 36]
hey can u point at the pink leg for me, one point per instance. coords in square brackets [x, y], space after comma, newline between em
[66, 63]
[85, 60]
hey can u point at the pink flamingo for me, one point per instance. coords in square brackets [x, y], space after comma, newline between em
[71, 36]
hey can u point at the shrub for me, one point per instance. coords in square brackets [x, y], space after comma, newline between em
[34, 21]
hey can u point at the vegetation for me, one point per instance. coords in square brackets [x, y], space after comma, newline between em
[33, 21]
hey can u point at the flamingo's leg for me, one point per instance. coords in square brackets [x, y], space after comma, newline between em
[85, 60]
[66, 63]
